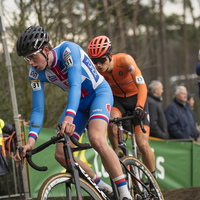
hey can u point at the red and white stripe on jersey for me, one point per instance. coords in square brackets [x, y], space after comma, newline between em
[70, 112]
[33, 134]
[99, 116]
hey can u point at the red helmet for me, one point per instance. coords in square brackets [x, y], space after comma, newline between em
[99, 46]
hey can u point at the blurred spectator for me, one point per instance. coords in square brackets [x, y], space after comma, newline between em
[4, 128]
[191, 101]
[198, 73]
[180, 121]
[158, 123]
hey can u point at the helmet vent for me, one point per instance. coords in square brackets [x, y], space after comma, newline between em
[99, 46]
[31, 40]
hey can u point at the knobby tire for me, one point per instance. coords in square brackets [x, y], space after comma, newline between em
[54, 186]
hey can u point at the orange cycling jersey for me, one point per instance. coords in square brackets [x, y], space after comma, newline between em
[126, 79]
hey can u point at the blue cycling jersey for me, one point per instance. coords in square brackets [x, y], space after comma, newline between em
[73, 71]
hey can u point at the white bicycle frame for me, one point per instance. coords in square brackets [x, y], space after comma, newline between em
[135, 154]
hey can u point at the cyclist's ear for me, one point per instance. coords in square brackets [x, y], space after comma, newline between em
[110, 56]
[46, 49]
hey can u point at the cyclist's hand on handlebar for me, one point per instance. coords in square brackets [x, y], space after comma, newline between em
[28, 147]
[141, 114]
[67, 126]
[17, 157]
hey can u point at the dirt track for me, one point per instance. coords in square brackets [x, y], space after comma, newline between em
[182, 194]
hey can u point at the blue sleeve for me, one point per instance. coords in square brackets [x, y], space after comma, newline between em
[173, 123]
[37, 114]
[74, 78]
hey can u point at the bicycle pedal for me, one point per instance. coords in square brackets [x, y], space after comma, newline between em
[142, 196]
[138, 197]
[111, 196]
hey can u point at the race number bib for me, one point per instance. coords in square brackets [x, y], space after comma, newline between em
[35, 84]
[139, 80]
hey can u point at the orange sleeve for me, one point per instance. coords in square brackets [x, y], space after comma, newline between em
[139, 81]
[142, 95]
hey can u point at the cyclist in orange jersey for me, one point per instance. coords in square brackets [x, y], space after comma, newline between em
[129, 90]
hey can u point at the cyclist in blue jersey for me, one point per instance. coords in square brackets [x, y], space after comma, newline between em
[89, 98]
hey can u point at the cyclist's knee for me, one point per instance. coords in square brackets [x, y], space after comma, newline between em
[143, 147]
[98, 143]
[95, 141]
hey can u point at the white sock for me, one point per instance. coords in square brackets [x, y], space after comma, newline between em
[122, 187]
[102, 185]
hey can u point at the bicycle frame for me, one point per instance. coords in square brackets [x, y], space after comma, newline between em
[134, 145]
[122, 143]
[121, 131]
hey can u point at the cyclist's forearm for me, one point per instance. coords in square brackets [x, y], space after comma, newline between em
[30, 144]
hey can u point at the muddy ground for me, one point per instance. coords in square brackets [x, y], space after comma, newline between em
[182, 194]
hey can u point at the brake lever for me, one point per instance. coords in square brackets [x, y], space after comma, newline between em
[20, 149]
[142, 127]
[60, 126]
[136, 113]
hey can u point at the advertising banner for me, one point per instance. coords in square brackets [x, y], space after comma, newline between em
[196, 165]
[177, 163]
[173, 163]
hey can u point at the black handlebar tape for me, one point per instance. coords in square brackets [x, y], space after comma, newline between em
[142, 127]
[117, 119]
[77, 143]
[38, 149]
[44, 145]
[33, 165]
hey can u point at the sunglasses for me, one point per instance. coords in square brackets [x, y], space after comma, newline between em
[32, 55]
[99, 60]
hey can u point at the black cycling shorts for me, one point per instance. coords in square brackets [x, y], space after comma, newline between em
[128, 104]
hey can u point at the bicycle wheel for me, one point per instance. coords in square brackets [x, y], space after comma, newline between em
[57, 185]
[149, 189]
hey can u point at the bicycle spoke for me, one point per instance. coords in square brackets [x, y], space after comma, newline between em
[141, 182]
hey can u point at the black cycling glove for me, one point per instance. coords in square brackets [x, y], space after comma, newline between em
[140, 114]
[9, 129]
